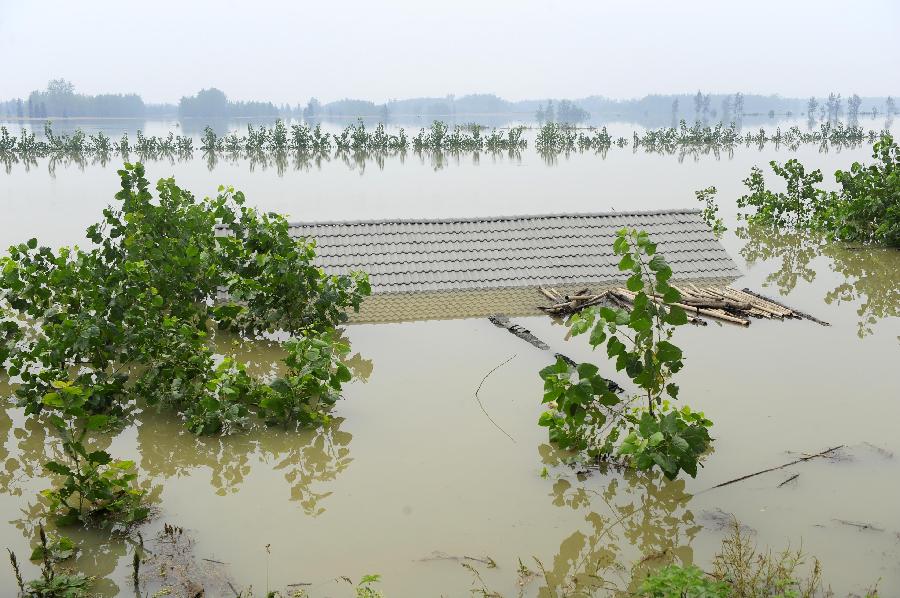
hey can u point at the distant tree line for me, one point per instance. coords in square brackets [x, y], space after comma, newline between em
[566, 112]
[213, 103]
[60, 100]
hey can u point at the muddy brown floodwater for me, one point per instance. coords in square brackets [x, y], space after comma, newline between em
[411, 477]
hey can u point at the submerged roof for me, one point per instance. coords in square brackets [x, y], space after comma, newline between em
[404, 256]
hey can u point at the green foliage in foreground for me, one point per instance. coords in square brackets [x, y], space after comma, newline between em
[94, 487]
[682, 582]
[866, 209]
[739, 570]
[586, 416]
[91, 334]
[52, 583]
[61, 585]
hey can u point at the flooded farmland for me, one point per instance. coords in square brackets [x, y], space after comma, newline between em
[410, 480]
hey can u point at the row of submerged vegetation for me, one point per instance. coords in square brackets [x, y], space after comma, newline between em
[277, 139]
[556, 138]
[304, 141]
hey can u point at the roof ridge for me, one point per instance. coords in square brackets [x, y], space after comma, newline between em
[666, 212]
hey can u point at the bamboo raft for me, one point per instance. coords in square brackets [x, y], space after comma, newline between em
[722, 304]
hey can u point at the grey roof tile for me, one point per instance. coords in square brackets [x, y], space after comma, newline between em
[403, 256]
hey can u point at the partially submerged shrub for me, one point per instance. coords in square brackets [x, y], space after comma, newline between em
[801, 205]
[868, 206]
[312, 383]
[866, 209]
[53, 582]
[94, 486]
[130, 321]
[674, 581]
[586, 416]
[131, 318]
[753, 574]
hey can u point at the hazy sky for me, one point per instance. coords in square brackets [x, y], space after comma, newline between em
[287, 51]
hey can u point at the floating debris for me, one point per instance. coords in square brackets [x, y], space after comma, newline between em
[719, 520]
[716, 303]
[501, 321]
[526, 335]
[789, 480]
[172, 567]
[825, 453]
[438, 555]
[861, 525]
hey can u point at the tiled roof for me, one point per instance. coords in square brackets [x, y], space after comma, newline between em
[403, 256]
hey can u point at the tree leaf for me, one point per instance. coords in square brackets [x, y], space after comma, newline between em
[666, 351]
[676, 316]
[634, 283]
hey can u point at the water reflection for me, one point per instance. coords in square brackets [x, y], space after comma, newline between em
[98, 554]
[645, 511]
[870, 274]
[307, 459]
[26, 447]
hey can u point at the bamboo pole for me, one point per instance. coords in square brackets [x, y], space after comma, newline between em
[796, 311]
[712, 313]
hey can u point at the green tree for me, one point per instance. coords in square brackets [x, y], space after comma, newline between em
[584, 415]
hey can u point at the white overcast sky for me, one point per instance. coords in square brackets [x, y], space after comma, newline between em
[287, 51]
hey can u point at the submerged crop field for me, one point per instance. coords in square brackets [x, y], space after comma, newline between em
[302, 145]
[230, 365]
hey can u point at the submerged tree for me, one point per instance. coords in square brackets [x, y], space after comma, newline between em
[853, 105]
[131, 321]
[646, 430]
[833, 106]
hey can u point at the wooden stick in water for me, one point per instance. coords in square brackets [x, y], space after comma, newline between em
[800, 460]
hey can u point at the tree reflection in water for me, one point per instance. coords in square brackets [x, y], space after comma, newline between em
[870, 274]
[641, 510]
[306, 457]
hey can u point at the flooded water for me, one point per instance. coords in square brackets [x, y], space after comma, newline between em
[412, 477]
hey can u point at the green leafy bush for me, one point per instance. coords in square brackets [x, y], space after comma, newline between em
[802, 204]
[132, 321]
[866, 209]
[586, 416]
[673, 581]
[132, 317]
[52, 583]
[868, 206]
[312, 383]
[61, 585]
[94, 486]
